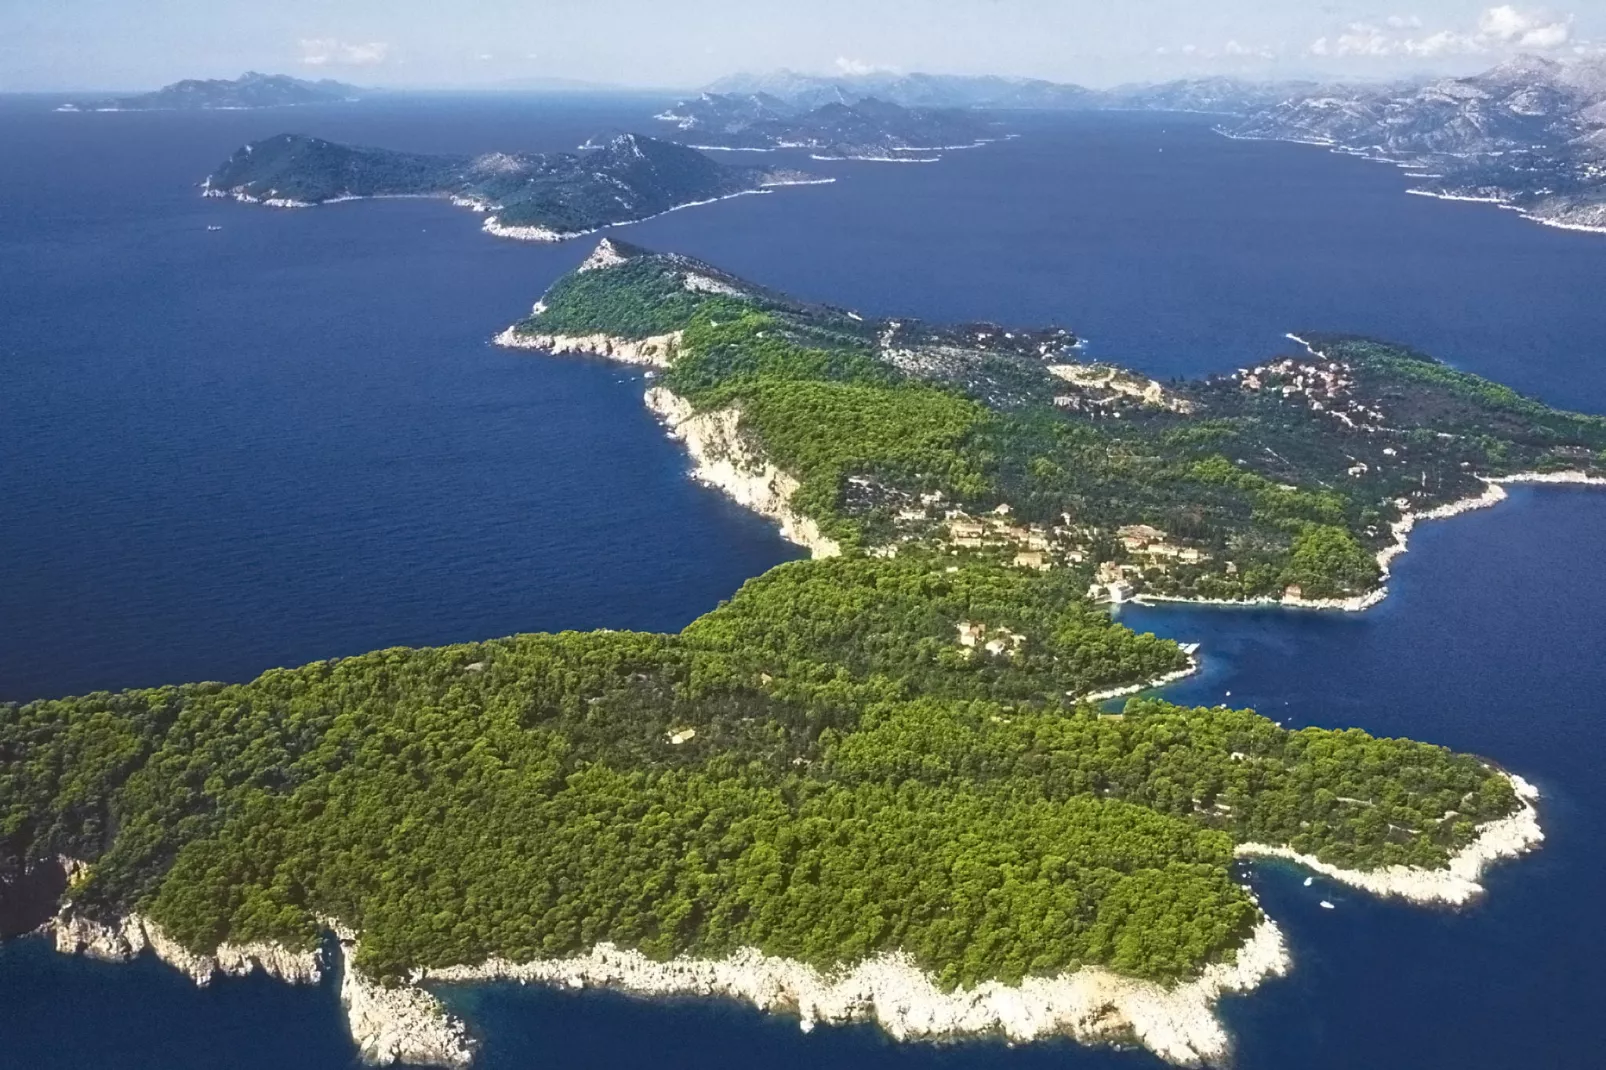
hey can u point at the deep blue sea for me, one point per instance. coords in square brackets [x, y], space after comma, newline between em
[289, 439]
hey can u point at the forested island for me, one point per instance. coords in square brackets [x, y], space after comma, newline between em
[873, 783]
[864, 129]
[535, 196]
[250, 90]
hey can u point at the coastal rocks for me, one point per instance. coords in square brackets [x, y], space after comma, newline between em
[1454, 885]
[124, 940]
[1090, 1004]
[725, 460]
[495, 227]
[655, 351]
[404, 1024]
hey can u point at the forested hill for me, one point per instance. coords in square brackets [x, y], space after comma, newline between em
[626, 178]
[865, 753]
[977, 441]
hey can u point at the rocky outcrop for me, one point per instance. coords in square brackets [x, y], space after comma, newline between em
[726, 460]
[1457, 883]
[400, 1024]
[497, 228]
[656, 351]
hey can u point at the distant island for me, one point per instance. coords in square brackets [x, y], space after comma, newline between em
[1529, 135]
[878, 783]
[866, 129]
[250, 90]
[533, 196]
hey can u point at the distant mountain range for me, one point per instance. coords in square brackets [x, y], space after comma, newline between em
[1529, 134]
[250, 90]
[535, 196]
[1227, 95]
[867, 128]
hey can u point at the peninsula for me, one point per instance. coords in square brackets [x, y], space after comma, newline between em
[250, 90]
[873, 784]
[533, 196]
[865, 129]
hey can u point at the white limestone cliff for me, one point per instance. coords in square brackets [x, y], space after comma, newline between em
[725, 459]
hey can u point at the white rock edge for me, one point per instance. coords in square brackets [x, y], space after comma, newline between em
[723, 458]
[402, 1024]
[1455, 885]
[1089, 1004]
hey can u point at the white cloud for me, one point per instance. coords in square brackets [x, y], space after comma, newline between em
[328, 52]
[857, 67]
[1503, 28]
[1524, 29]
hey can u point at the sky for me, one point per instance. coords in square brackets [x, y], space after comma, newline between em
[54, 45]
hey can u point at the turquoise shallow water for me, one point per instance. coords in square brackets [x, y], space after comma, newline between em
[288, 439]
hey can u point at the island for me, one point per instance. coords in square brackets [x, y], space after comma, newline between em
[884, 782]
[865, 129]
[250, 90]
[1528, 135]
[532, 196]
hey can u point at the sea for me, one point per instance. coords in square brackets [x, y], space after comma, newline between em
[235, 438]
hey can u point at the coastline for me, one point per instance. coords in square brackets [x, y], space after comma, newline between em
[721, 456]
[407, 1023]
[1091, 1004]
[1493, 494]
[1560, 223]
[723, 460]
[1148, 685]
[1455, 885]
[492, 224]
[402, 1024]
[1400, 531]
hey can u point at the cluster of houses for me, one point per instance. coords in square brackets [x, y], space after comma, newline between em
[1150, 550]
[1324, 387]
[974, 635]
[1034, 545]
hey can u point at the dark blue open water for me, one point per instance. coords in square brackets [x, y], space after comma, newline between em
[287, 439]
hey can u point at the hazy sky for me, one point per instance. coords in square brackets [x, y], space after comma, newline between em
[80, 44]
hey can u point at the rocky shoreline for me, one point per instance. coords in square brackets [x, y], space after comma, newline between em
[723, 459]
[408, 1024]
[654, 352]
[1456, 884]
[402, 1024]
[1091, 1004]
